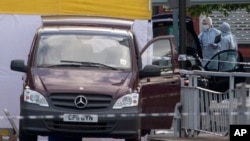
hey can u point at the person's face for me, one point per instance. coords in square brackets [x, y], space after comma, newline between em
[204, 26]
[204, 23]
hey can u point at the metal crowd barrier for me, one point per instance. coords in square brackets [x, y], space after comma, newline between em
[204, 110]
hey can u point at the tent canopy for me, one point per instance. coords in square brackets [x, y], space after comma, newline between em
[132, 9]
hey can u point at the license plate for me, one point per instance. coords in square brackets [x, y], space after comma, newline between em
[80, 118]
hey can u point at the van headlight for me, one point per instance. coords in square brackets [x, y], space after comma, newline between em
[34, 97]
[128, 100]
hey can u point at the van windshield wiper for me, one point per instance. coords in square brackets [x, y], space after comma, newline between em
[90, 64]
[60, 65]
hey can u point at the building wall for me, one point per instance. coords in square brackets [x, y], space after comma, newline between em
[240, 25]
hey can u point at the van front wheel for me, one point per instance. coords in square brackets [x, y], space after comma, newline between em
[25, 137]
[136, 138]
[133, 139]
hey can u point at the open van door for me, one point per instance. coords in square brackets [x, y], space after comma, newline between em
[159, 94]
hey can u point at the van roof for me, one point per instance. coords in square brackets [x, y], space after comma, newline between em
[78, 20]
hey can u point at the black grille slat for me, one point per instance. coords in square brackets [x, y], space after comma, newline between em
[97, 105]
[98, 99]
[71, 104]
[66, 101]
[61, 97]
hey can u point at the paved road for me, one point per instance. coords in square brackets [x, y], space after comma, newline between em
[86, 139]
[159, 137]
[165, 137]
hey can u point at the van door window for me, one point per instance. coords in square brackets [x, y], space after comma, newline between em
[159, 53]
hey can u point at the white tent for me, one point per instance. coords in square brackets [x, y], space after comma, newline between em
[16, 34]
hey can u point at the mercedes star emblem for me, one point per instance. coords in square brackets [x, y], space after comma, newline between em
[81, 101]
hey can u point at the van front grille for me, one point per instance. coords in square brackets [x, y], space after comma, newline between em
[94, 101]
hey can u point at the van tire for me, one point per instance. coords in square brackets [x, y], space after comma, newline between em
[136, 138]
[133, 139]
[145, 132]
[25, 137]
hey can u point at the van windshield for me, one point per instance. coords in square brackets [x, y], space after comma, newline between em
[65, 49]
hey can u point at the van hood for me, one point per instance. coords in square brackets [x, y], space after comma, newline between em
[56, 80]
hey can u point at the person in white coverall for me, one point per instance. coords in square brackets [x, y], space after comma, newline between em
[207, 38]
[227, 41]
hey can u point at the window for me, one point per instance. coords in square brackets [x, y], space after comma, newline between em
[228, 61]
[56, 49]
[224, 61]
[213, 64]
[162, 28]
[160, 53]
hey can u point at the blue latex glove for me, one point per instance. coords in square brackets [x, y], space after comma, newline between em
[214, 46]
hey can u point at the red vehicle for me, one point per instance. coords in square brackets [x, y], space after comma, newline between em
[88, 74]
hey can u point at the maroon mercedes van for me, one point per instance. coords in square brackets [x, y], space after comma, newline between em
[86, 77]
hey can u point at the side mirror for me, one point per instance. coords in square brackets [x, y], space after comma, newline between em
[150, 71]
[18, 65]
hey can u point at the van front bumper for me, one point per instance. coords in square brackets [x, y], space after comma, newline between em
[45, 121]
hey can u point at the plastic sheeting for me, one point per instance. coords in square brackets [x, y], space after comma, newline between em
[16, 35]
[133, 9]
[143, 32]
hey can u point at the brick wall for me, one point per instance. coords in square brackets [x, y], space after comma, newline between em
[245, 50]
[196, 25]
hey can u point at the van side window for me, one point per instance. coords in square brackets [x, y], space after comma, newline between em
[159, 53]
[228, 61]
[213, 64]
[224, 61]
[162, 28]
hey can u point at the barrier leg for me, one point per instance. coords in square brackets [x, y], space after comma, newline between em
[177, 120]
